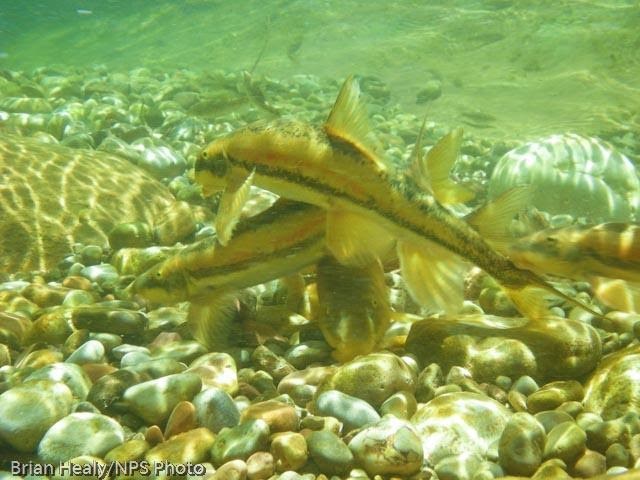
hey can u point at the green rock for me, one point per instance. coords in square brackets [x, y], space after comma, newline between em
[567, 442]
[329, 452]
[240, 442]
[521, 445]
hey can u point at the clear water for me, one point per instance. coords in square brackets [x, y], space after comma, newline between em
[515, 69]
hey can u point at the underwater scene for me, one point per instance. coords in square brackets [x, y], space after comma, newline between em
[320, 239]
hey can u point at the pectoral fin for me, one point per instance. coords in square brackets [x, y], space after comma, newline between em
[530, 302]
[433, 275]
[233, 199]
[355, 240]
[210, 320]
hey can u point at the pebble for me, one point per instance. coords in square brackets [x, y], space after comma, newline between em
[215, 409]
[154, 400]
[351, 411]
[89, 352]
[372, 378]
[289, 450]
[401, 405]
[458, 467]
[273, 364]
[240, 442]
[550, 418]
[281, 417]
[613, 389]
[108, 390]
[217, 370]
[554, 394]
[521, 445]
[457, 423]
[302, 355]
[617, 456]
[101, 274]
[260, 466]
[78, 434]
[28, 410]
[232, 470]
[590, 464]
[566, 441]
[525, 385]
[182, 419]
[133, 449]
[429, 379]
[389, 447]
[188, 447]
[119, 321]
[68, 373]
[329, 452]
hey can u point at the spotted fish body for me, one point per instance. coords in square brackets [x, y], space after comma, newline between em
[52, 196]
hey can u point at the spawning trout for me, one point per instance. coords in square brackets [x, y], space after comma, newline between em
[368, 211]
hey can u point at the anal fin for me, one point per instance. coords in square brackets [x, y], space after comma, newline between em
[530, 302]
[433, 275]
[355, 240]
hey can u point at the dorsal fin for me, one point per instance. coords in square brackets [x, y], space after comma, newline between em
[438, 163]
[348, 123]
[493, 219]
[418, 167]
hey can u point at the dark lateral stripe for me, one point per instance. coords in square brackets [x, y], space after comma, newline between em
[313, 184]
[286, 254]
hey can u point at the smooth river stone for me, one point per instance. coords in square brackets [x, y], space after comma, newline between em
[372, 378]
[614, 390]
[457, 423]
[488, 346]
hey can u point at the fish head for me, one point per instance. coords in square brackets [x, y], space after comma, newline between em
[212, 168]
[547, 251]
[160, 284]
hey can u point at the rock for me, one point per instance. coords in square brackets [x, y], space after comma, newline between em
[329, 452]
[101, 274]
[551, 349]
[80, 434]
[613, 389]
[260, 466]
[182, 350]
[97, 318]
[525, 385]
[161, 161]
[280, 416]
[154, 400]
[401, 405]
[109, 389]
[182, 419]
[554, 394]
[52, 327]
[600, 436]
[372, 378]
[240, 442]
[617, 456]
[274, 365]
[351, 411]
[458, 467]
[68, 373]
[128, 451]
[431, 91]
[232, 470]
[389, 447]
[429, 380]
[302, 355]
[567, 442]
[301, 385]
[28, 410]
[457, 423]
[215, 409]
[289, 450]
[89, 352]
[154, 368]
[590, 464]
[217, 370]
[564, 167]
[188, 447]
[521, 445]
[550, 418]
